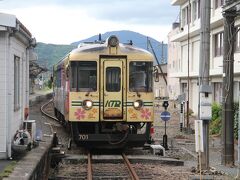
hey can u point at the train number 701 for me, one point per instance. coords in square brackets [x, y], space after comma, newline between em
[83, 137]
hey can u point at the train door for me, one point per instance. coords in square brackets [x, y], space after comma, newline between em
[112, 89]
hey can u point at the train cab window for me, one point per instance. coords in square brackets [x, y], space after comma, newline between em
[140, 76]
[113, 79]
[84, 76]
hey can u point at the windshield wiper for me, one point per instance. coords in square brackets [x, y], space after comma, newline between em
[87, 94]
[138, 94]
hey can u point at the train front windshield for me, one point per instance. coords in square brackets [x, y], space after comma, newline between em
[140, 79]
[83, 76]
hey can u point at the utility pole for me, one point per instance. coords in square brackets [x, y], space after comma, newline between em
[162, 60]
[204, 110]
[188, 62]
[229, 15]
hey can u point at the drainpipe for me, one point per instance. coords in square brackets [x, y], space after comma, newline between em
[27, 80]
[9, 95]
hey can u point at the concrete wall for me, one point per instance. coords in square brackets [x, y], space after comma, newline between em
[3, 95]
[10, 118]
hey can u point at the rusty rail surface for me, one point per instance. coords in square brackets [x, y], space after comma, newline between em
[45, 113]
[89, 168]
[130, 168]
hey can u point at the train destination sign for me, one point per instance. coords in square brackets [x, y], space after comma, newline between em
[165, 115]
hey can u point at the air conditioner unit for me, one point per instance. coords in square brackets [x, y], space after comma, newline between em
[30, 126]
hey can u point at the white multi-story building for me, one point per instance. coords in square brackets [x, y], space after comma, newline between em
[173, 86]
[16, 50]
[189, 31]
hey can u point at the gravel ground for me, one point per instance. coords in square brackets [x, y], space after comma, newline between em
[184, 144]
[181, 147]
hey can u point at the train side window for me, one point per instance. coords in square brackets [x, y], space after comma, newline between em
[140, 76]
[58, 78]
[73, 76]
[113, 79]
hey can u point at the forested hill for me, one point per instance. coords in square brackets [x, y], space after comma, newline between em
[50, 54]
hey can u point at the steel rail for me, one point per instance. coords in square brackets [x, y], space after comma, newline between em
[130, 168]
[89, 168]
[46, 114]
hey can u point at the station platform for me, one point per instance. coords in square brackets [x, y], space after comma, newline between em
[37, 95]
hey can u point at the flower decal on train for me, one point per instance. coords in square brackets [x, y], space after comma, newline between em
[145, 113]
[94, 111]
[80, 114]
[130, 111]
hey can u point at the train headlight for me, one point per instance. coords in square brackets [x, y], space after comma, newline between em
[138, 104]
[87, 104]
[113, 41]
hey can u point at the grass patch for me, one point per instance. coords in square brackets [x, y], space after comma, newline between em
[8, 170]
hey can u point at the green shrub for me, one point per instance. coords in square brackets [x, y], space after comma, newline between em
[49, 84]
[215, 124]
[235, 110]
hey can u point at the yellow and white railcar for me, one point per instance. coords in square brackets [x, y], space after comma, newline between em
[104, 92]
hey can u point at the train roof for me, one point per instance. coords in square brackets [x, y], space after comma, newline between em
[92, 51]
[98, 48]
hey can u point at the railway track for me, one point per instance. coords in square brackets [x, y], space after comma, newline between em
[42, 109]
[78, 164]
[98, 174]
[95, 170]
[92, 169]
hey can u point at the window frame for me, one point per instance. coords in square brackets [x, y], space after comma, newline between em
[110, 70]
[218, 3]
[78, 88]
[218, 44]
[198, 9]
[17, 82]
[149, 78]
[237, 40]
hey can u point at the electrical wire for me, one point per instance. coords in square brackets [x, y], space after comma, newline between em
[230, 37]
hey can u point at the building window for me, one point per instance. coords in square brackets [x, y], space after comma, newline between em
[198, 9]
[186, 15]
[194, 10]
[189, 13]
[237, 44]
[184, 88]
[183, 17]
[16, 83]
[218, 44]
[217, 92]
[218, 3]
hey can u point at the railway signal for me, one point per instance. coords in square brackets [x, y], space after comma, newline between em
[165, 104]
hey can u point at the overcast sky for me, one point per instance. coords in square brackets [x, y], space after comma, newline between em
[67, 21]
